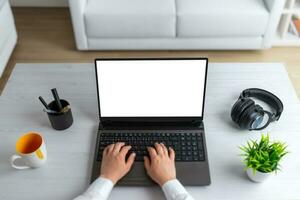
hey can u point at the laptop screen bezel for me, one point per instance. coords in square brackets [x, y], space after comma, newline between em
[194, 119]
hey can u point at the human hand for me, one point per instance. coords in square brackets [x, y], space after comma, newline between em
[161, 165]
[114, 165]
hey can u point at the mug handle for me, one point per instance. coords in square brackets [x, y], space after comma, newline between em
[12, 162]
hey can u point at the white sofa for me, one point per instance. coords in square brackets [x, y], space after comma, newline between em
[174, 24]
[8, 34]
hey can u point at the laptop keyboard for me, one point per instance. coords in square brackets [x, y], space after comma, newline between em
[188, 146]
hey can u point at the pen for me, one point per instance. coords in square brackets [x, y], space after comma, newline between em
[44, 102]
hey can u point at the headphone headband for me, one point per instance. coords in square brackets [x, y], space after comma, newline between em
[266, 97]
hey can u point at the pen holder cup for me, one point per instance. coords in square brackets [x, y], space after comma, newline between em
[60, 121]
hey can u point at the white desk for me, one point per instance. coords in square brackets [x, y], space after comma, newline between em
[67, 172]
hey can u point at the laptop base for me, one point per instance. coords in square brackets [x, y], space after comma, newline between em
[188, 173]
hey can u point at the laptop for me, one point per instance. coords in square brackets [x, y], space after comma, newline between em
[143, 101]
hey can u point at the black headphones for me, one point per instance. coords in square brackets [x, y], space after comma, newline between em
[249, 115]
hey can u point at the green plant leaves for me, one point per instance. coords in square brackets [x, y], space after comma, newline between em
[264, 155]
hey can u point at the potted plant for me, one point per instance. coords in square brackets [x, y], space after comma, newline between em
[262, 158]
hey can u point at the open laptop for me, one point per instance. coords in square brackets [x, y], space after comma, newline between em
[143, 101]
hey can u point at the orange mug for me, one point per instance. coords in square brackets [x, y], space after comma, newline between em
[31, 149]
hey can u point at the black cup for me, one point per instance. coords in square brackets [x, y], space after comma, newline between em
[60, 121]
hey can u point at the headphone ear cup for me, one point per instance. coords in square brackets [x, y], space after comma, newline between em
[239, 107]
[234, 109]
[245, 119]
[253, 114]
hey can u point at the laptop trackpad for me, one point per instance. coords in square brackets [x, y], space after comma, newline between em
[136, 176]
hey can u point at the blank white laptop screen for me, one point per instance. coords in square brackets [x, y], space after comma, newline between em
[151, 88]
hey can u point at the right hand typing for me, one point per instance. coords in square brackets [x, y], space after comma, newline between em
[161, 165]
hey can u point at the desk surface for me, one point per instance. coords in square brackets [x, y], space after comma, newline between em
[70, 152]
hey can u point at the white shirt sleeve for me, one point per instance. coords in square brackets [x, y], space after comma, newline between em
[98, 190]
[173, 190]
[101, 188]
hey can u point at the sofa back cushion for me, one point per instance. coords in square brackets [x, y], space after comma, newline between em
[221, 18]
[130, 18]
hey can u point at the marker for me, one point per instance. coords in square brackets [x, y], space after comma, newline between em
[56, 98]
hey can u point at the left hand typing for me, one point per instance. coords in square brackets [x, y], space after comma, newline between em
[114, 165]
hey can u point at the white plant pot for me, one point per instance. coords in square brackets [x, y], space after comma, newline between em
[258, 177]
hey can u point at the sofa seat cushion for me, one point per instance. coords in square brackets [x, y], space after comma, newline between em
[221, 18]
[130, 18]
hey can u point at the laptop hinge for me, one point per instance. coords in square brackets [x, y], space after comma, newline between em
[149, 125]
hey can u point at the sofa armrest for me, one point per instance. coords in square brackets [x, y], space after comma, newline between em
[77, 8]
[2, 3]
[275, 8]
[8, 34]
[270, 4]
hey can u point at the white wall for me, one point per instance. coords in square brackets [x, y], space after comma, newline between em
[40, 3]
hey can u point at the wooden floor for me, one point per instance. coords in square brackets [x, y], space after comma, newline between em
[46, 36]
